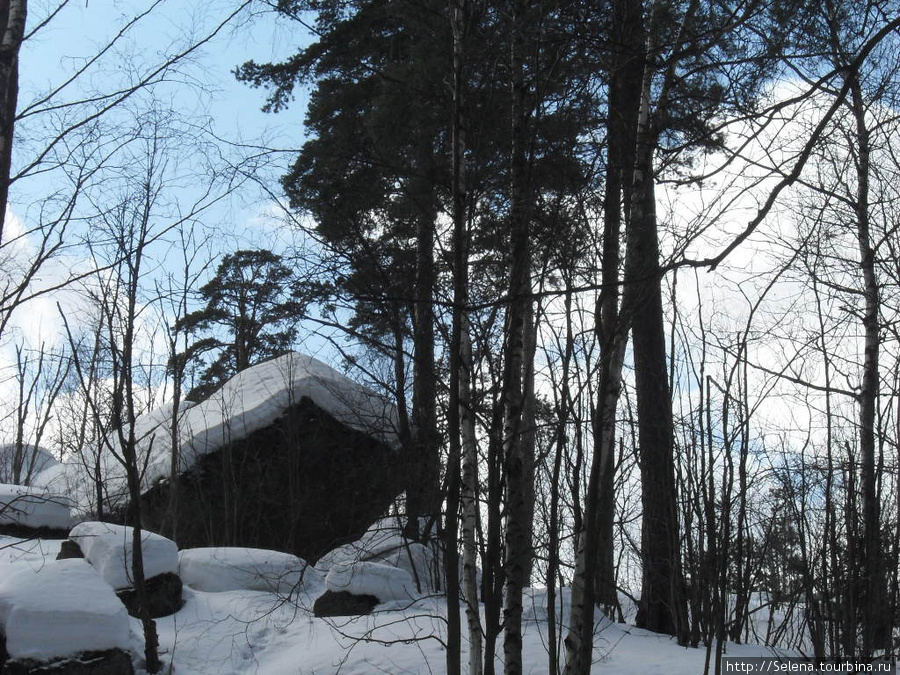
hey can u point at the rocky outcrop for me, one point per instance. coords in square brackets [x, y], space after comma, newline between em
[303, 485]
[289, 455]
[62, 618]
[222, 569]
[354, 589]
[108, 548]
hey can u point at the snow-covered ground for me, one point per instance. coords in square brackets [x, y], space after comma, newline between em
[269, 632]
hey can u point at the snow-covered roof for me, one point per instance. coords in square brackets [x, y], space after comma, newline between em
[251, 400]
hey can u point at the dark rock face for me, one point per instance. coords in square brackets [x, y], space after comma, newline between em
[112, 662]
[69, 549]
[342, 603]
[25, 532]
[303, 485]
[163, 596]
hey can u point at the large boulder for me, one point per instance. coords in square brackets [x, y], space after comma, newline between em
[255, 400]
[385, 542]
[384, 582]
[63, 618]
[289, 455]
[303, 484]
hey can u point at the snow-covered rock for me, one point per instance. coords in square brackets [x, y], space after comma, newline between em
[232, 568]
[369, 578]
[33, 508]
[385, 543]
[109, 549]
[60, 609]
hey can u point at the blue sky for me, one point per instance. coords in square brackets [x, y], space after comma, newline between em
[205, 84]
[203, 87]
[83, 27]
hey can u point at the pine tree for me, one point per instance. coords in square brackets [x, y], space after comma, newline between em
[371, 176]
[253, 304]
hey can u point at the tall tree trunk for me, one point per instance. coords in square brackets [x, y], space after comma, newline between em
[492, 579]
[594, 579]
[871, 585]
[875, 625]
[465, 415]
[469, 503]
[662, 607]
[741, 582]
[579, 641]
[626, 73]
[460, 295]
[518, 536]
[529, 436]
[562, 419]
[12, 25]
[423, 487]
